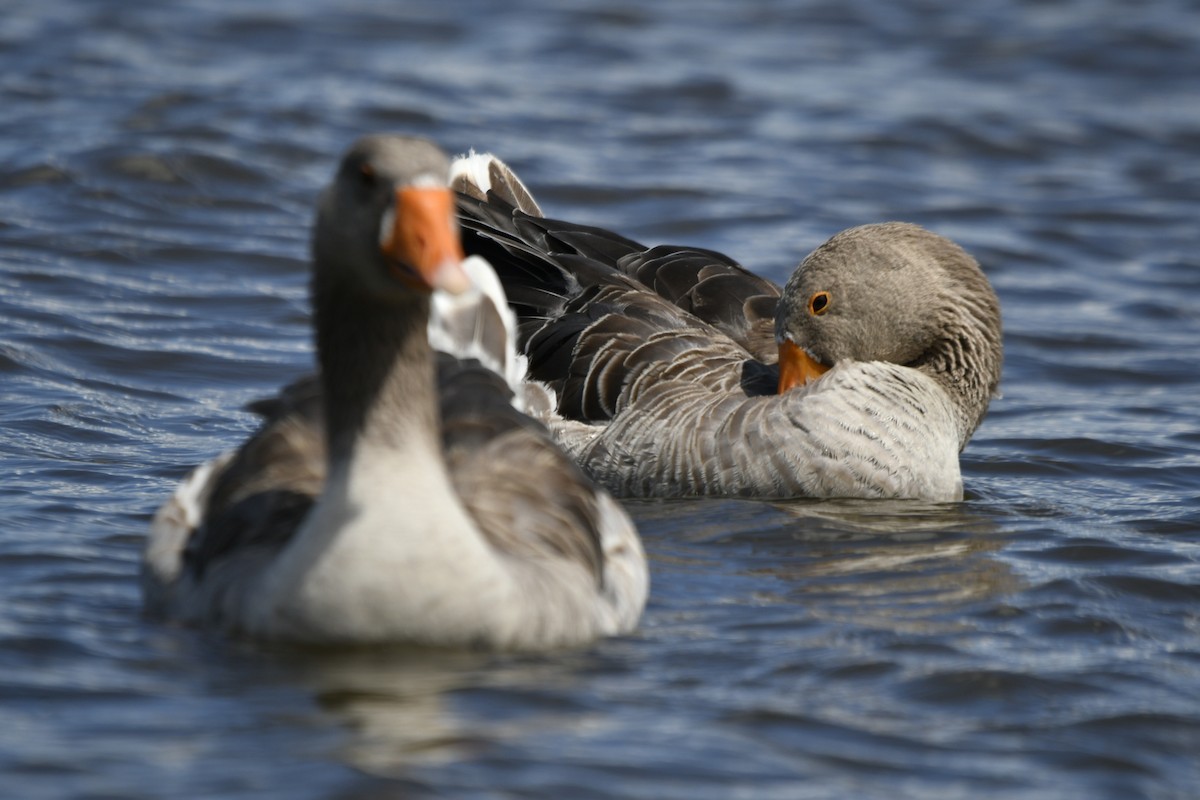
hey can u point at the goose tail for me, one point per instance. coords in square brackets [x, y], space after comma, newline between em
[477, 174]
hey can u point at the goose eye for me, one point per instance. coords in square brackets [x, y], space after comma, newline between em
[819, 303]
[368, 174]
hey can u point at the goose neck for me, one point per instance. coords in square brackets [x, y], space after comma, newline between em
[377, 372]
[966, 363]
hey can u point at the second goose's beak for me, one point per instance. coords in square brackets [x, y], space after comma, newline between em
[420, 237]
[796, 366]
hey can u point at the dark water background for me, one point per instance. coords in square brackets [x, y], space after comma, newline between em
[158, 166]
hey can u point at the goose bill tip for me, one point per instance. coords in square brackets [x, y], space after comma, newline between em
[450, 277]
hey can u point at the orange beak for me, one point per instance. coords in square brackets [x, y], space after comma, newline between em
[423, 243]
[796, 366]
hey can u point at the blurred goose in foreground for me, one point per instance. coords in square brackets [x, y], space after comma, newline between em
[399, 496]
[679, 373]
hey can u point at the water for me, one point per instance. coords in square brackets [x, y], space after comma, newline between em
[158, 167]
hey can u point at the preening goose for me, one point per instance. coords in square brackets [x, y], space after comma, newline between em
[399, 497]
[679, 373]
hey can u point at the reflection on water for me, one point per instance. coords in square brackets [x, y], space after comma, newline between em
[408, 709]
[397, 707]
[893, 565]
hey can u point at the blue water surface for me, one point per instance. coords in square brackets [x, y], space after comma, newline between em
[159, 165]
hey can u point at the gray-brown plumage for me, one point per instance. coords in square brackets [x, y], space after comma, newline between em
[669, 354]
[398, 496]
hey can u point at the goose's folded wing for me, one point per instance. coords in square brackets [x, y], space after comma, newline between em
[243, 505]
[706, 284]
[262, 494]
[713, 288]
[611, 346]
[598, 335]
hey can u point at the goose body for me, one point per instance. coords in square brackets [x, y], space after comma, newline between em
[400, 496]
[679, 373]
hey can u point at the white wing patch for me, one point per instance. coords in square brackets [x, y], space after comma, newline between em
[475, 169]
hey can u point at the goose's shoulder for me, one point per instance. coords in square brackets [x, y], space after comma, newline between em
[604, 355]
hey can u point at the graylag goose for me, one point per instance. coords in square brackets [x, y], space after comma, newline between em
[399, 497]
[679, 373]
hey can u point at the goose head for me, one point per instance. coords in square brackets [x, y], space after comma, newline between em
[386, 237]
[387, 225]
[898, 293]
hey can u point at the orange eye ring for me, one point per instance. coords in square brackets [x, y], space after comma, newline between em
[818, 304]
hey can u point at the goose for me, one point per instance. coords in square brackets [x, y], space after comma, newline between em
[400, 496]
[679, 373]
